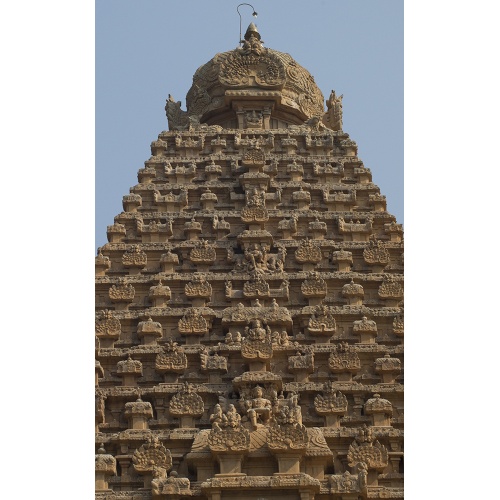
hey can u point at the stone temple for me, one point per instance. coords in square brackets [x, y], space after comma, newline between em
[249, 302]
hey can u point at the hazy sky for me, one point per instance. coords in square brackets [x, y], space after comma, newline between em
[149, 49]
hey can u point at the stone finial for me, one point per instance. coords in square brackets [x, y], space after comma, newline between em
[105, 466]
[102, 263]
[160, 294]
[149, 331]
[380, 409]
[388, 368]
[129, 370]
[138, 412]
[354, 293]
[366, 329]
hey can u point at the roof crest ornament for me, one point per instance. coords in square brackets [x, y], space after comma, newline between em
[254, 14]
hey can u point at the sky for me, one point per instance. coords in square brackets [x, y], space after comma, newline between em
[149, 49]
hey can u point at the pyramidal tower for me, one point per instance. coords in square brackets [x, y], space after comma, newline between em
[249, 302]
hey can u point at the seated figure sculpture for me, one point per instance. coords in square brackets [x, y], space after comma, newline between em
[258, 408]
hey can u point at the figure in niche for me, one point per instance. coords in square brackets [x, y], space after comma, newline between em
[255, 198]
[233, 417]
[218, 419]
[257, 332]
[258, 408]
[255, 259]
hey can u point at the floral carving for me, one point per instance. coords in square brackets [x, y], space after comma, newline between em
[322, 321]
[186, 402]
[308, 252]
[313, 286]
[344, 358]
[129, 365]
[149, 327]
[198, 288]
[367, 449]
[203, 253]
[172, 360]
[391, 288]
[193, 322]
[138, 408]
[134, 257]
[150, 455]
[107, 326]
[376, 253]
[124, 292]
[352, 290]
[331, 402]
[104, 462]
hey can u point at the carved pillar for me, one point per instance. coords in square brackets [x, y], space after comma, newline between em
[343, 259]
[354, 293]
[129, 370]
[168, 261]
[138, 413]
[366, 329]
[208, 200]
[149, 331]
[192, 230]
[102, 264]
[105, 466]
[380, 409]
[160, 295]
[388, 368]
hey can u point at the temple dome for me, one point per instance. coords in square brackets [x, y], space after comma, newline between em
[253, 73]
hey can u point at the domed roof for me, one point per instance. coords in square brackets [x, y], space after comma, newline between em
[253, 72]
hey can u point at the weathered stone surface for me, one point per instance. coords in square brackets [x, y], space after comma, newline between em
[249, 303]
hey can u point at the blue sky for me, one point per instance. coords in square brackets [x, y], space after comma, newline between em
[149, 49]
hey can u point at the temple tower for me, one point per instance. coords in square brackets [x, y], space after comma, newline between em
[249, 302]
